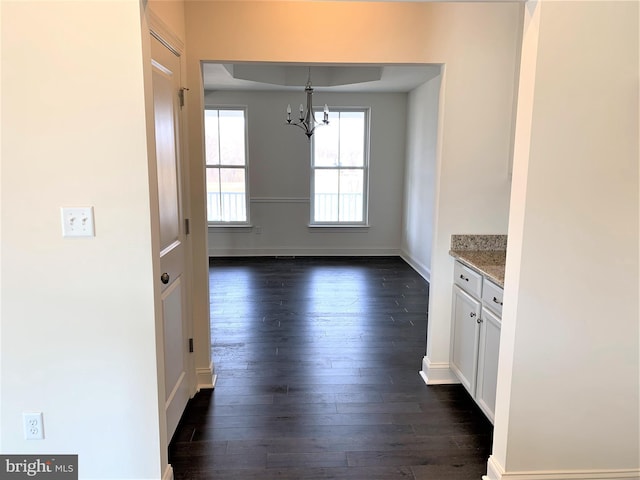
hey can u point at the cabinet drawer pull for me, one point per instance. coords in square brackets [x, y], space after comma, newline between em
[466, 279]
[495, 300]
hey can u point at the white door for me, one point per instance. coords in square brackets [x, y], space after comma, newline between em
[166, 86]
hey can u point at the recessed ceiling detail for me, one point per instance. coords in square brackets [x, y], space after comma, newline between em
[336, 78]
[294, 76]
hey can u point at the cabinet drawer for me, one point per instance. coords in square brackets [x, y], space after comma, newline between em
[492, 296]
[467, 279]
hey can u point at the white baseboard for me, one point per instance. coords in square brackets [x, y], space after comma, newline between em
[495, 471]
[422, 269]
[437, 373]
[168, 473]
[303, 252]
[205, 377]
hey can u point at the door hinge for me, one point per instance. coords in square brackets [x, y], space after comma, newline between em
[191, 345]
[181, 95]
[187, 226]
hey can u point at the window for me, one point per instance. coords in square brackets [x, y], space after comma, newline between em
[339, 168]
[226, 165]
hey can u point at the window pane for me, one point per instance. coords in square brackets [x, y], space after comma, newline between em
[211, 145]
[326, 141]
[232, 194]
[352, 139]
[214, 212]
[232, 137]
[325, 200]
[339, 168]
[351, 196]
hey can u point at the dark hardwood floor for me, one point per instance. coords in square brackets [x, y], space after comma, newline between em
[317, 362]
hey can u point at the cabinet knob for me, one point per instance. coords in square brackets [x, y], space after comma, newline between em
[472, 314]
[479, 320]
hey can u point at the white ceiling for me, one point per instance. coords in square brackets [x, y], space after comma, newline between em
[334, 78]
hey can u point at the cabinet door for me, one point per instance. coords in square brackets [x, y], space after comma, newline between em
[488, 362]
[464, 338]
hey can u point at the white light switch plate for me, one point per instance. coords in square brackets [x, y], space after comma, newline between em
[77, 222]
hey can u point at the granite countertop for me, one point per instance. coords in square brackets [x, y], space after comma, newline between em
[485, 253]
[489, 263]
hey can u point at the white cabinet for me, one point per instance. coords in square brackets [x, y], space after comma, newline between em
[488, 349]
[475, 335]
[467, 279]
[492, 297]
[465, 333]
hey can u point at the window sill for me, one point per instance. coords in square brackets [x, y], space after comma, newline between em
[333, 227]
[239, 226]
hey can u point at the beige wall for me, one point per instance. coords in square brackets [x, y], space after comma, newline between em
[171, 12]
[569, 388]
[78, 314]
[476, 42]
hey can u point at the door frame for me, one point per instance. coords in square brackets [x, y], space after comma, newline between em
[153, 26]
[161, 32]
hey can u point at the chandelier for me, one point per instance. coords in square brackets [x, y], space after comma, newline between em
[307, 120]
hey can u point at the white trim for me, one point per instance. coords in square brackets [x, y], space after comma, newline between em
[422, 269]
[303, 252]
[168, 473]
[280, 200]
[176, 387]
[337, 227]
[495, 471]
[437, 373]
[230, 226]
[163, 33]
[205, 377]
[366, 111]
[220, 166]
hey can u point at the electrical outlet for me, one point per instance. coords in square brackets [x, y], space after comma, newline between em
[33, 426]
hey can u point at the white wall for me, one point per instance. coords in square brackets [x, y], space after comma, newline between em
[473, 183]
[569, 375]
[77, 315]
[279, 179]
[420, 175]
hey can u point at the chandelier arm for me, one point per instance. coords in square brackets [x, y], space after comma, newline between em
[307, 122]
[304, 127]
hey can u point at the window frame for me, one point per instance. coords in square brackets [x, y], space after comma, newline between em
[364, 169]
[221, 223]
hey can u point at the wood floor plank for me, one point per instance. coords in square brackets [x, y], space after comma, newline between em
[306, 460]
[317, 362]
